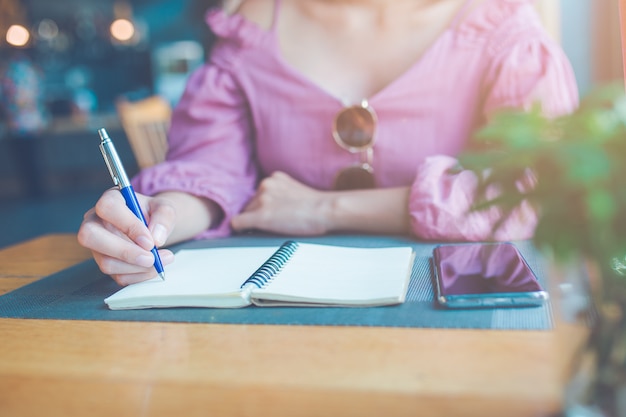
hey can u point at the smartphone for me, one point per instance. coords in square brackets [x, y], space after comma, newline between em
[484, 275]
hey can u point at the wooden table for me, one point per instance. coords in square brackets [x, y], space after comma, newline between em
[94, 368]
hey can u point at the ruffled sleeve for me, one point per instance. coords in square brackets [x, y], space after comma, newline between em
[525, 66]
[440, 205]
[210, 153]
[233, 28]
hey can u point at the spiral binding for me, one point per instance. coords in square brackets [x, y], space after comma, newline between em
[273, 265]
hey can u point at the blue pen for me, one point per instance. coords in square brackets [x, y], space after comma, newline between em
[120, 179]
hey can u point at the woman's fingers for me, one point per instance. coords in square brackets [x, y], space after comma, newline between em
[161, 219]
[111, 208]
[121, 242]
[124, 273]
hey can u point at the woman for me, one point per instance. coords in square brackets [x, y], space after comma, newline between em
[301, 102]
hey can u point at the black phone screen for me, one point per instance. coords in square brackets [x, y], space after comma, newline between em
[484, 274]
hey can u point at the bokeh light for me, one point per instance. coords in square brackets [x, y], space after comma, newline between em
[47, 29]
[17, 35]
[122, 30]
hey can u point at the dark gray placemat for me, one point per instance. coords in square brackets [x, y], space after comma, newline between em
[77, 293]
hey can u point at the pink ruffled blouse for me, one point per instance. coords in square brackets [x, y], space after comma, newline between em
[247, 113]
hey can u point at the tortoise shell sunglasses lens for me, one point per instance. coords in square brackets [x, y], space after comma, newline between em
[355, 177]
[354, 128]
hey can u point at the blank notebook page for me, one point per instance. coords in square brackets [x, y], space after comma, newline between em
[341, 273]
[205, 271]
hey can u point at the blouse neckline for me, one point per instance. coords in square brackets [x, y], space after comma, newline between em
[481, 19]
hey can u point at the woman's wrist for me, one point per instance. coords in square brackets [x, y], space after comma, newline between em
[194, 215]
[368, 211]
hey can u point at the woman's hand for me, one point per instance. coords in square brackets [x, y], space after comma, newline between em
[120, 242]
[286, 206]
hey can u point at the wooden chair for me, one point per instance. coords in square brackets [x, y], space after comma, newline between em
[146, 123]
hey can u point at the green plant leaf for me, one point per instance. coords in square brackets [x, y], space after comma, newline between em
[579, 161]
[601, 205]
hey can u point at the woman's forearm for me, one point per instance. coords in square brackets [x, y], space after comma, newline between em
[369, 211]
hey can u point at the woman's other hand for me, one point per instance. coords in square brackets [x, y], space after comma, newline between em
[285, 206]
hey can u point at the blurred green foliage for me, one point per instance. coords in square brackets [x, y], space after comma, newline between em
[579, 163]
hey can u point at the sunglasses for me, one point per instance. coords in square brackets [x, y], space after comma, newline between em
[354, 129]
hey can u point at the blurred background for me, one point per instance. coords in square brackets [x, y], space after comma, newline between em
[66, 63]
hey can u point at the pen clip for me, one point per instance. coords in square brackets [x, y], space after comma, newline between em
[109, 164]
[112, 161]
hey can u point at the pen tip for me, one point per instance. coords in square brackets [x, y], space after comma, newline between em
[162, 275]
[103, 133]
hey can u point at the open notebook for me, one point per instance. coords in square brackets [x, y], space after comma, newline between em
[295, 273]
